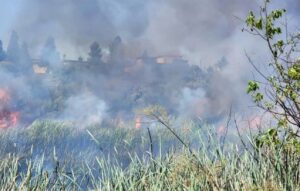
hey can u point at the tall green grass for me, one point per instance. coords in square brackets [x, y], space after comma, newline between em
[169, 167]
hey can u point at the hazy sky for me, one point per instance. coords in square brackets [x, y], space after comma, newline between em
[198, 29]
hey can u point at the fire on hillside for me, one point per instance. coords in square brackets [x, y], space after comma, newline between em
[51, 87]
[7, 118]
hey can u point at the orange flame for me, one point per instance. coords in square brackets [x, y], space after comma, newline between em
[14, 118]
[138, 123]
[7, 118]
[255, 122]
[221, 130]
[4, 97]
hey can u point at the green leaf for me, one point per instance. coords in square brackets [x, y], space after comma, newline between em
[293, 73]
[259, 24]
[258, 97]
[250, 20]
[282, 123]
[252, 86]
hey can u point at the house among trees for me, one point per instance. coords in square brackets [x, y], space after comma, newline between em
[18, 59]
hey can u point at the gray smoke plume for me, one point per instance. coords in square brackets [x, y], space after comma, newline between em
[202, 31]
[195, 28]
[84, 109]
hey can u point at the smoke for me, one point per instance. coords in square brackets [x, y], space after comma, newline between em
[198, 29]
[18, 85]
[193, 102]
[194, 28]
[202, 31]
[76, 23]
[214, 101]
[84, 109]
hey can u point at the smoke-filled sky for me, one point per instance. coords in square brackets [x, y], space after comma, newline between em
[203, 31]
[199, 29]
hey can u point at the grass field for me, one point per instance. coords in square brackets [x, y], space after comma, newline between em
[51, 155]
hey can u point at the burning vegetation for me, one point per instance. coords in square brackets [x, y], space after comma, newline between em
[84, 127]
[8, 118]
[113, 87]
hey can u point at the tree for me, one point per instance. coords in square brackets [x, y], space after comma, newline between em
[25, 59]
[2, 53]
[50, 55]
[116, 54]
[95, 53]
[278, 93]
[13, 49]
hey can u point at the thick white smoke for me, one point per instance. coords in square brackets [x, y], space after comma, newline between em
[84, 109]
[203, 31]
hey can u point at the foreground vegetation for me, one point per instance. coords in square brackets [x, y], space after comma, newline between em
[57, 156]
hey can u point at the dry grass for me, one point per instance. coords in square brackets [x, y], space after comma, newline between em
[209, 168]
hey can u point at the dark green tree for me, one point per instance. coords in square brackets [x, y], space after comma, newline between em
[25, 59]
[116, 54]
[95, 53]
[13, 49]
[49, 54]
[2, 52]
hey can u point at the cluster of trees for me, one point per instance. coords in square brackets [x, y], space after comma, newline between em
[95, 54]
[15, 52]
[113, 63]
[18, 54]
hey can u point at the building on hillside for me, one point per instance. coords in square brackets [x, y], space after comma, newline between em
[74, 62]
[164, 59]
[169, 59]
[38, 66]
[37, 69]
